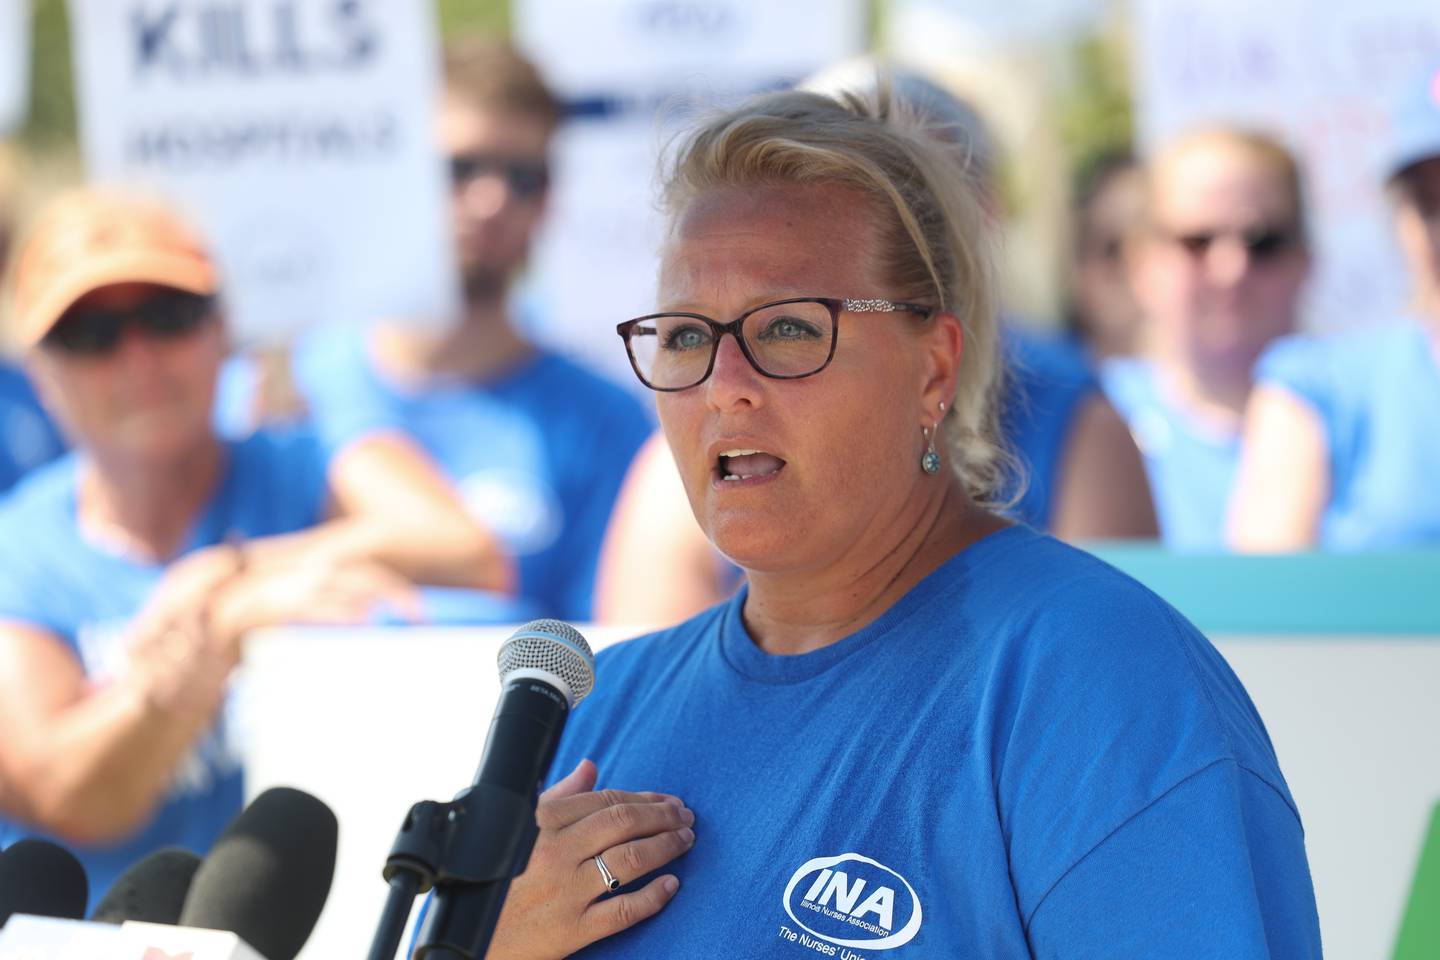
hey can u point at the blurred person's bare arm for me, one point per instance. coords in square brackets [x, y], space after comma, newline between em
[1103, 493]
[395, 507]
[656, 567]
[1283, 482]
[89, 761]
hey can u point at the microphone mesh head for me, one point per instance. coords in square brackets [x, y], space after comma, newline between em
[553, 647]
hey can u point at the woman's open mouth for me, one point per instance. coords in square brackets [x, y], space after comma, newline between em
[739, 466]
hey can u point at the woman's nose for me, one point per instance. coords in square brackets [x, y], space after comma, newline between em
[733, 380]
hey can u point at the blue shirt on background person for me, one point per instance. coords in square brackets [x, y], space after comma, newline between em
[1376, 392]
[1098, 751]
[86, 594]
[1191, 470]
[538, 456]
[1047, 380]
[28, 438]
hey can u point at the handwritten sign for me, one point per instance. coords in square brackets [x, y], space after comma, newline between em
[1319, 75]
[298, 135]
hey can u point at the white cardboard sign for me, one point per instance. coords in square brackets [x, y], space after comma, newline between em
[299, 135]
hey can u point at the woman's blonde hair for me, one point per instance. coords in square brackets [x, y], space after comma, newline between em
[933, 235]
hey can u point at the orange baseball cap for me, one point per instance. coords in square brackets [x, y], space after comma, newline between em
[90, 239]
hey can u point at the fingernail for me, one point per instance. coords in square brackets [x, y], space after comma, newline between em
[671, 884]
[687, 816]
[687, 835]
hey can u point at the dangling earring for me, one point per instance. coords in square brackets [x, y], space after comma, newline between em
[930, 461]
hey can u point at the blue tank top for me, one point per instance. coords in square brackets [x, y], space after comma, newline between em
[86, 595]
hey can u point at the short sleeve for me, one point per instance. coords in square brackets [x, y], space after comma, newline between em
[604, 442]
[346, 403]
[1213, 868]
[1112, 702]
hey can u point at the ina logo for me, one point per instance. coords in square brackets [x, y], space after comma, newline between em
[853, 901]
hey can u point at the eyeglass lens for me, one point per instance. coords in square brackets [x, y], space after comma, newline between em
[674, 351]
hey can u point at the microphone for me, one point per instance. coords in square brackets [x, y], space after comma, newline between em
[153, 889]
[471, 848]
[41, 878]
[267, 877]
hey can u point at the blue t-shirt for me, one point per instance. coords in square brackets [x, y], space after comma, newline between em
[1377, 394]
[1029, 754]
[1191, 469]
[86, 595]
[538, 455]
[27, 437]
[1047, 380]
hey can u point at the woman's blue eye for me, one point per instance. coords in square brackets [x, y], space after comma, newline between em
[686, 338]
[789, 328]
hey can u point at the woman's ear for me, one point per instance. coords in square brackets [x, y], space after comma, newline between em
[944, 350]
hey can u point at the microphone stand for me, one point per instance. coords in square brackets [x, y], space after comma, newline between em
[469, 849]
[410, 870]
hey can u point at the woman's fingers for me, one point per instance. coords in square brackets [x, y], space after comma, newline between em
[622, 822]
[619, 824]
[552, 910]
[613, 914]
[633, 859]
[579, 780]
[557, 813]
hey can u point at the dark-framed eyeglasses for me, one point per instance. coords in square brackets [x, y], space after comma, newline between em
[784, 340]
[1261, 243]
[526, 178]
[96, 331]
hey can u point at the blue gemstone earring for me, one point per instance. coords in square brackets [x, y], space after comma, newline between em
[930, 461]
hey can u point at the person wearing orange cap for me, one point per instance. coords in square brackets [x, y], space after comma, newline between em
[134, 566]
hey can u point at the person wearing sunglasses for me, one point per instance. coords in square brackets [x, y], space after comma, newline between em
[919, 729]
[1340, 448]
[536, 445]
[131, 569]
[1218, 262]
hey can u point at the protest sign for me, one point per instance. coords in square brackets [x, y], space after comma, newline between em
[298, 135]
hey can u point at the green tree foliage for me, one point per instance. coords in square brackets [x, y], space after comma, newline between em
[1096, 110]
[51, 121]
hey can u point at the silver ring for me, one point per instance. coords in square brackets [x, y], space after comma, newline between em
[611, 883]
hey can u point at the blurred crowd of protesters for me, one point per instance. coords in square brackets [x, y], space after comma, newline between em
[471, 476]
